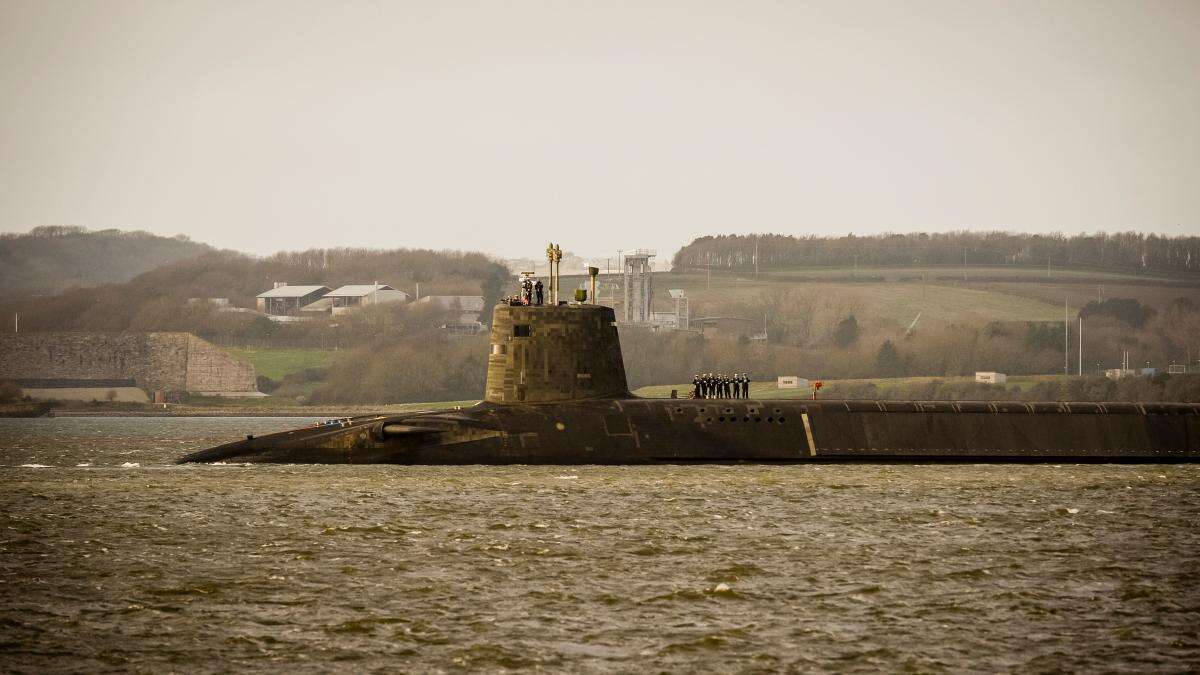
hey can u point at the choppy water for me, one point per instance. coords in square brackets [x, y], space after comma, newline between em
[113, 558]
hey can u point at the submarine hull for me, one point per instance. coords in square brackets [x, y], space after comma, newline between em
[633, 430]
[556, 393]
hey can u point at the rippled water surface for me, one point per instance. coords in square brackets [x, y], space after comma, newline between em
[111, 557]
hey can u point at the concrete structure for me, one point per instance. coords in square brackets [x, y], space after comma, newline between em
[683, 312]
[123, 391]
[1119, 373]
[791, 382]
[284, 300]
[988, 377]
[1176, 369]
[638, 286]
[215, 302]
[170, 362]
[354, 296]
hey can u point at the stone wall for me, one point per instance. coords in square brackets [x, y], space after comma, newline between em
[211, 369]
[173, 362]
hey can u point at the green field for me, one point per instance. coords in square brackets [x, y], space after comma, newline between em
[279, 363]
[894, 296]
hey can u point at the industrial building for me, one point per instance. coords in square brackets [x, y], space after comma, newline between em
[638, 286]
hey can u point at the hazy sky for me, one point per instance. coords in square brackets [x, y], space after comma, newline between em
[499, 125]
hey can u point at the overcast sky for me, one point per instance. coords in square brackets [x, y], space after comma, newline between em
[499, 125]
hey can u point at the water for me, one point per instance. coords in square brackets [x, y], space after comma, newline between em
[130, 562]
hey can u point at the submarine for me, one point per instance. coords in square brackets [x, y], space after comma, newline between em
[556, 393]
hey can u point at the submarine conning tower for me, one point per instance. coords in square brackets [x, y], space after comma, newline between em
[551, 353]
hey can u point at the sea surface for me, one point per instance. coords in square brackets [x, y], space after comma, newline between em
[113, 558]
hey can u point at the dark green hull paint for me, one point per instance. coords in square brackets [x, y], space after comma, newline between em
[634, 431]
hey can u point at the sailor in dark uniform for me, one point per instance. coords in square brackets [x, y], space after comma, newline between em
[696, 386]
[539, 290]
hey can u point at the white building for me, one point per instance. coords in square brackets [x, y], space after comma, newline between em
[989, 377]
[791, 382]
[354, 296]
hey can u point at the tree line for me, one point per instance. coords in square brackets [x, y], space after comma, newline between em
[51, 258]
[1131, 252]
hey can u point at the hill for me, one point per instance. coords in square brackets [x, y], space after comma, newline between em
[159, 299]
[49, 259]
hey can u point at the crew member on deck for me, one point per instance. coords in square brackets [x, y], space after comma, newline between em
[539, 291]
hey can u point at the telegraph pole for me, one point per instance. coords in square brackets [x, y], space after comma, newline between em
[1066, 339]
[1080, 346]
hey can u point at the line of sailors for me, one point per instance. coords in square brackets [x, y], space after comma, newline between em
[533, 292]
[717, 385]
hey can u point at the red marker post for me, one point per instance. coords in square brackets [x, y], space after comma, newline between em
[817, 387]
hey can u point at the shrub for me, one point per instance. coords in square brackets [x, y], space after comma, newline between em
[9, 391]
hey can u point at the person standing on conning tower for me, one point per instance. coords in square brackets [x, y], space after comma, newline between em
[539, 291]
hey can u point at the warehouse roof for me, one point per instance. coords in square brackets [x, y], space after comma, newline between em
[291, 291]
[358, 290]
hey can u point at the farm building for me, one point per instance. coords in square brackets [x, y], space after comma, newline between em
[285, 300]
[353, 296]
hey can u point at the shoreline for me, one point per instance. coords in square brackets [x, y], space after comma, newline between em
[47, 409]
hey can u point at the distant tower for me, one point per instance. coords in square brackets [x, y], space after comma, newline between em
[638, 286]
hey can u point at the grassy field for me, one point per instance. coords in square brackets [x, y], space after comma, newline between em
[768, 390]
[894, 296]
[278, 363]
